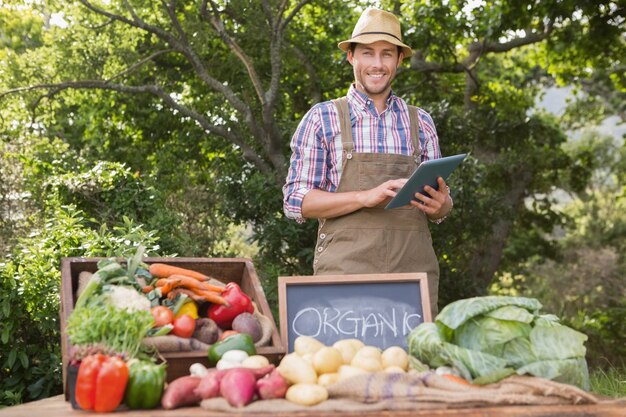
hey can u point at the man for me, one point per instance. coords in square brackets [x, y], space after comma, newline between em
[351, 155]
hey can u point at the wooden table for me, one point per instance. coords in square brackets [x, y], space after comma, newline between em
[57, 407]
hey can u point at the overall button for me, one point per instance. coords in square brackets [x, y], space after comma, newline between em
[319, 249]
[349, 156]
[323, 236]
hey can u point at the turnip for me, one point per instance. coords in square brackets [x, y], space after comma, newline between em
[272, 385]
[238, 386]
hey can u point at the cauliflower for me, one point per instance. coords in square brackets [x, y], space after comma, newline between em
[126, 298]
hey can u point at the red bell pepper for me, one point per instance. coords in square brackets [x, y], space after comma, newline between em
[237, 302]
[101, 382]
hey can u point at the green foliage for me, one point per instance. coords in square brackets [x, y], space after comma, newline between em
[609, 380]
[30, 283]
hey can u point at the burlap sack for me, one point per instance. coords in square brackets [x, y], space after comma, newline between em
[387, 391]
[171, 343]
[83, 280]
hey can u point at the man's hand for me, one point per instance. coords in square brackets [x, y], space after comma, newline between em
[326, 205]
[438, 204]
[385, 191]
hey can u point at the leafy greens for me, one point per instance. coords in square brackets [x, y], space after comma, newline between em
[489, 338]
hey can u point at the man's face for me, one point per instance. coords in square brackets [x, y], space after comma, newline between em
[375, 67]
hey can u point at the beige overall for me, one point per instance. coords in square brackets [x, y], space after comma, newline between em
[375, 240]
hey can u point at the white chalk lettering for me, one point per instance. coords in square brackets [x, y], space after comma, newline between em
[332, 322]
[352, 321]
[391, 324]
[370, 322]
[411, 321]
[328, 320]
[316, 315]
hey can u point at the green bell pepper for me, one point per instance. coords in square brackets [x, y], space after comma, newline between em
[240, 341]
[145, 385]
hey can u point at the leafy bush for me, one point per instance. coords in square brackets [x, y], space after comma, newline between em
[29, 300]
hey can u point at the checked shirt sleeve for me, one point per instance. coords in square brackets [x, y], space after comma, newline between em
[307, 167]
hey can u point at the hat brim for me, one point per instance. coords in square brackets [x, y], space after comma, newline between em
[367, 39]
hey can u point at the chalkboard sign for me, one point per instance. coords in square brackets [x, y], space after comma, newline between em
[378, 309]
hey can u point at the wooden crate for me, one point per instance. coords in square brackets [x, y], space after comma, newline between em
[239, 270]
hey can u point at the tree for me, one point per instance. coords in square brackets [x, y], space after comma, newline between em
[235, 77]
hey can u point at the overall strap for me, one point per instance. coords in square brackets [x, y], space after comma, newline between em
[345, 126]
[415, 126]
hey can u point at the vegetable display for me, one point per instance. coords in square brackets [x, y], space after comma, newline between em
[490, 338]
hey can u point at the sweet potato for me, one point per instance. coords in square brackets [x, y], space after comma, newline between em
[209, 386]
[272, 386]
[238, 386]
[181, 392]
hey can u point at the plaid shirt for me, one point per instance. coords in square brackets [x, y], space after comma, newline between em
[316, 160]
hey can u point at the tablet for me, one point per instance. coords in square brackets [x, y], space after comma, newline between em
[425, 174]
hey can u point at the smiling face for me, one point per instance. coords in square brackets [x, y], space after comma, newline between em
[375, 67]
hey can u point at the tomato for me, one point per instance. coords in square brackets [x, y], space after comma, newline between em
[162, 315]
[184, 326]
[228, 333]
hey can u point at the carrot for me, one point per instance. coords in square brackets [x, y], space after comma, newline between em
[191, 282]
[160, 270]
[198, 295]
[147, 289]
[211, 297]
[188, 282]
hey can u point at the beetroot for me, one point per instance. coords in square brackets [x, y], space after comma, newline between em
[238, 386]
[273, 385]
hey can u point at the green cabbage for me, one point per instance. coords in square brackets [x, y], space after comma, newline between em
[489, 338]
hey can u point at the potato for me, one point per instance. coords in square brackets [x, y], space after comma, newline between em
[348, 371]
[306, 394]
[395, 356]
[308, 357]
[369, 364]
[255, 361]
[347, 350]
[297, 370]
[368, 358]
[327, 360]
[305, 344]
[328, 379]
[369, 352]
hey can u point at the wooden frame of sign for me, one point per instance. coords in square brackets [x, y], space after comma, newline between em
[379, 309]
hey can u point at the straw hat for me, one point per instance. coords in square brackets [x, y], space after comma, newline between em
[376, 25]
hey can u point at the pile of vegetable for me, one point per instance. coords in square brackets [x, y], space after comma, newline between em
[302, 377]
[107, 327]
[486, 339]
[125, 304]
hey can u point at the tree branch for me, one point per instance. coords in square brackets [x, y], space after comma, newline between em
[140, 63]
[171, 11]
[155, 90]
[218, 25]
[136, 22]
[315, 90]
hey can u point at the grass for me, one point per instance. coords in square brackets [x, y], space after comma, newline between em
[610, 382]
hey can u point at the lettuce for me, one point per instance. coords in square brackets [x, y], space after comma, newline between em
[489, 338]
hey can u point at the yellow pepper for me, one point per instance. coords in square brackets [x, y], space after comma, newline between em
[189, 308]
